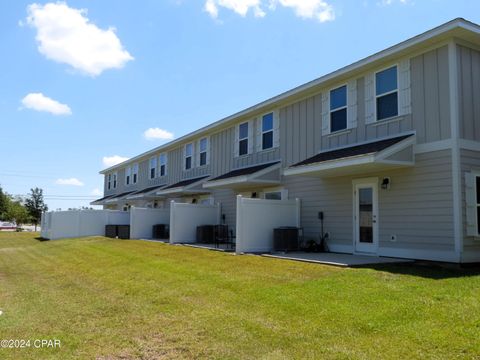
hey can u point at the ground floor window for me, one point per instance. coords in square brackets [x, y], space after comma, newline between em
[275, 195]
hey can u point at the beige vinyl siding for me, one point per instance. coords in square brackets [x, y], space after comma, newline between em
[469, 77]
[417, 208]
[470, 161]
[228, 200]
[430, 96]
[301, 122]
[223, 159]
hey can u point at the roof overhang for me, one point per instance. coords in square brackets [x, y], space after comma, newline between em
[101, 201]
[265, 177]
[455, 29]
[145, 193]
[370, 162]
[189, 189]
[116, 198]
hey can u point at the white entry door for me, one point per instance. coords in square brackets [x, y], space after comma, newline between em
[365, 196]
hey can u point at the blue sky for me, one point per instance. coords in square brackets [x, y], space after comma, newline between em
[81, 86]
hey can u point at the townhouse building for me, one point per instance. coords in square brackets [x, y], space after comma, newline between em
[387, 148]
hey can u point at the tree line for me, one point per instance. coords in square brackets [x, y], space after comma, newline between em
[22, 210]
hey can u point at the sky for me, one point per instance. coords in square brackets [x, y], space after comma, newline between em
[85, 84]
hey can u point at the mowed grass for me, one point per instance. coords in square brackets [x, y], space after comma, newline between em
[126, 299]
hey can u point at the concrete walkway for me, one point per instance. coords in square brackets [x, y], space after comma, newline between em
[343, 260]
[220, 247]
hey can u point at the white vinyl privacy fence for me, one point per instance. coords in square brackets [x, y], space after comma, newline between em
[256, 219]
[143, 219]
[71, 224]
[184, 219]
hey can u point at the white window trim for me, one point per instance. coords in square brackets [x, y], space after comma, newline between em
[337, 109]
[153, 158]
[160, 165]
[128, 176]
[375, 96]
[264, 132]
[281, 190]
[185, 156]
[249, 124]
[109, 181]
[135, 168]
[200, 152]
[115, 180]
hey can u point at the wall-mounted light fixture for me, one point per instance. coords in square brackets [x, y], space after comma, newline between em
[385, 183]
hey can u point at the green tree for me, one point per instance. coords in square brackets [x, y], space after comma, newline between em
[17, 212]
[4, 200]
[35, 205]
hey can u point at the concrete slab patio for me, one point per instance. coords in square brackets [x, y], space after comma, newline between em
[336, 259]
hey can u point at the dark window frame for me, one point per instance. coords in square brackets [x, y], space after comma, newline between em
[268, 133]
[243, 142]
[153, 169]
[188, 158]
[203, 153]
[338, 110]
[381, 98]
[162, 169]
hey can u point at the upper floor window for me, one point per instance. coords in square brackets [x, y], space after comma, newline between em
[114, 180]
[267, 131]
[163, 164]
[128, 175]
[338, 109]
[243, 139]
[153, 167]
[109, 181]
[386, 93]
[135, 173]
[188, 156]
[203, 151]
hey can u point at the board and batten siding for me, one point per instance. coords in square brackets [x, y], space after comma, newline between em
[301, 122]
[469, 77]
[417, 209]
[223, 155]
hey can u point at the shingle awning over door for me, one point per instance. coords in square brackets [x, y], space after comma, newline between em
[185, 187]
[101, 201]
[377, 155]
[145, 193]
[118, 197]
[258, 175]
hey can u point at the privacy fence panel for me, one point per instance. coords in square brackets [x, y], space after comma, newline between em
[71, 224]
[184, 219]
[143, 219]
[256, 219]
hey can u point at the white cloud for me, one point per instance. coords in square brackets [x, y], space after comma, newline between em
[157, 134]
[66, 35]
[390, 2]
[40, 102]
[113, 160]
[71, 182]
[307, 9]
[241, 7]
[97, 192]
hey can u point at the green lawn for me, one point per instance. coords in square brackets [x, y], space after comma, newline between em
[120, 299]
